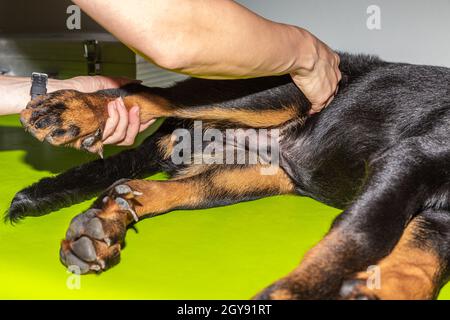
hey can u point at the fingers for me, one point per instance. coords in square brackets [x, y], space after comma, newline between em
[132, 130]
[122, 125]
[95, 83]
[319, 84]
[112, 121]
[316, 108]
[322, 85]
[134, 127]
[120, 130]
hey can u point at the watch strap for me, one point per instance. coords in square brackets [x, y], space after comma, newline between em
[38, 84]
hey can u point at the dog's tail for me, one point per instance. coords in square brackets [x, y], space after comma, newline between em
[86, 181]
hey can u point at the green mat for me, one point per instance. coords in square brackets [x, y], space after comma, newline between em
[222, 253]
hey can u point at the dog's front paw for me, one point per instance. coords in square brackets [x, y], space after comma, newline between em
[94, 238]
[69, 118]
[93, 242]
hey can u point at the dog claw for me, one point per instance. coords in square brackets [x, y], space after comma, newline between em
[88, 142]
[95, 267]
[124, 205]
[348, 286]
[123, 189]
[102, 264]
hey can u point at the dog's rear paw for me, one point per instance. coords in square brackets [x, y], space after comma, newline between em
[68, 117]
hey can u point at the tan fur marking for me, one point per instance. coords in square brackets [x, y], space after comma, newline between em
[162, 196]
[154, 106]
[318, 260]
[254, 119]
[281, 294]
[251, 179]
[409, 272]
[190, 189]
[314, 268]
[165, 145]
[191, 171]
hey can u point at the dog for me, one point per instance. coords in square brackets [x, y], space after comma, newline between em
[380, 152]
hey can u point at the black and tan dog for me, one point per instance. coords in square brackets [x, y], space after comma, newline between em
[380, 152]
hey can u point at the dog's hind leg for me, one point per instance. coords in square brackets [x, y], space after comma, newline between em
[417, 267]
[88, 180]
[397, 186]
[94, 238]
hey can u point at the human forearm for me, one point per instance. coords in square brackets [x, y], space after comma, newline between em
[219, 39]
[15, 92]
[213, 39]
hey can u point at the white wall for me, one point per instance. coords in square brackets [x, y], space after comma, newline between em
[415, 31]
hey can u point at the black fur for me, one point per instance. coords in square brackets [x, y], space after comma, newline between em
[88, 180]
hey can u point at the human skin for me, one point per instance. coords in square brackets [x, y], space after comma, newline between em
[121, 127]
[217, 39]
[220, 39]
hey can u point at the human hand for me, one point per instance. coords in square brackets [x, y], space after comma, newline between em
[122, 125]
[319, 78]
[95, 83]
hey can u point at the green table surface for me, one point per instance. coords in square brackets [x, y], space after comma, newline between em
[221, 253]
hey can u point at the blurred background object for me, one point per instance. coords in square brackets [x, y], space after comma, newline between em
[413, 31]
[39, 36]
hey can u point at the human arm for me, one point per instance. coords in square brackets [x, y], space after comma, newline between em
[220, 39]
[121, 127]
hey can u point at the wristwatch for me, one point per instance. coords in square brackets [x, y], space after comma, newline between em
[38, 84]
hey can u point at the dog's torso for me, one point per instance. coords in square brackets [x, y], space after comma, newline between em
[328, 157]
